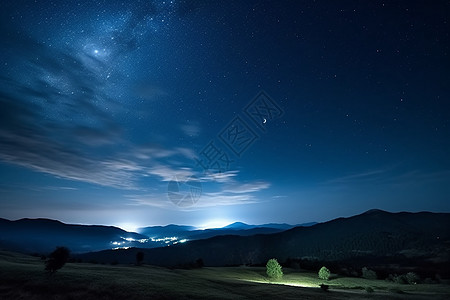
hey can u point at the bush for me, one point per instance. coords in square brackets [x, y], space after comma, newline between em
[139, 258]
[324, 287]
[428, 280]
[369, 290]
[57, 259]
[368, 274]
[273, 269]
[199, 262]
[412, 278]
[400, 279]
[324, 273]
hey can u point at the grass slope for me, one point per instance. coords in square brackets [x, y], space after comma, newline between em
[22, 277]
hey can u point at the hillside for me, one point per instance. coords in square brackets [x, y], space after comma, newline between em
[43, 235]
[23, 277]
[422, 236]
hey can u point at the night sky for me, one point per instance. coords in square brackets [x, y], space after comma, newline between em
[280, 111]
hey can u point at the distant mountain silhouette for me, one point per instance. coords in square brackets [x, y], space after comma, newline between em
[376, 233]
[238, 225]
[237, 228]
[43, 235]
[283, 226]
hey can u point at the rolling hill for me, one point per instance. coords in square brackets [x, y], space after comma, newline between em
[420, 236]
[43, 235]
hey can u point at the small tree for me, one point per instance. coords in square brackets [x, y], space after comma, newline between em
[57, 259]
[139, 257]
[368, 274]
[199, 263]
[273, 269]
[324, 273]
[412, 278]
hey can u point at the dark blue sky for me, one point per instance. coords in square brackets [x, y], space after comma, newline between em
[104, 103]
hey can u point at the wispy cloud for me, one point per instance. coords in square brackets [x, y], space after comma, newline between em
[168, 173]
[154, 200]
[248, 187]
[42, 131]
[370, 175]
[220, 177]
[61, 119]
[224, 199]
[389, 175]
[97, 136]
[278, 196]
[206, 200]
[60, 188]
[191, 129]
[228, 192]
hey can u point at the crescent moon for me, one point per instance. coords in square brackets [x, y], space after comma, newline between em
[264, 121]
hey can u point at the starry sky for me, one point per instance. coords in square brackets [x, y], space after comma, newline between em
[135, 113]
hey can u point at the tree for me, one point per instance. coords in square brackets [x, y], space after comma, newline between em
[412, 278]
[199, 263]
[368, 274]
[273, 269]
[324, 273]
[57, 259]
[139, 257]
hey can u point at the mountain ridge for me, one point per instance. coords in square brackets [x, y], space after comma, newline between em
[423, 235]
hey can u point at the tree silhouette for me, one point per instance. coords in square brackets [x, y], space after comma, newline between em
[199, 263]
[139, 257]
[57, 259]
[368, 274]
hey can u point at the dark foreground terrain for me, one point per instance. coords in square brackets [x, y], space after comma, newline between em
[23, 277]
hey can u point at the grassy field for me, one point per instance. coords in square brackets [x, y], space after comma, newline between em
[23, 277]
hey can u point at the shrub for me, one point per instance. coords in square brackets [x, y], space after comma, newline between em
[57, 259]
[324, 273]
[428, 280]
[369, 289]
[400, 279]
[412, 278]
[368, 274]
[273, 269]
[139, 258]
[199, 263]
[324, 287]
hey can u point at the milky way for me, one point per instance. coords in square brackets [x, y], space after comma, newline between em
[103, 104]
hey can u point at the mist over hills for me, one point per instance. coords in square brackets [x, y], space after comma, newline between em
[193, 233]
[43, 235]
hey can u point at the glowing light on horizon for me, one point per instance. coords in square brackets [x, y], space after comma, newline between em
[215, 223]
[130, 227]
[117, 248]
